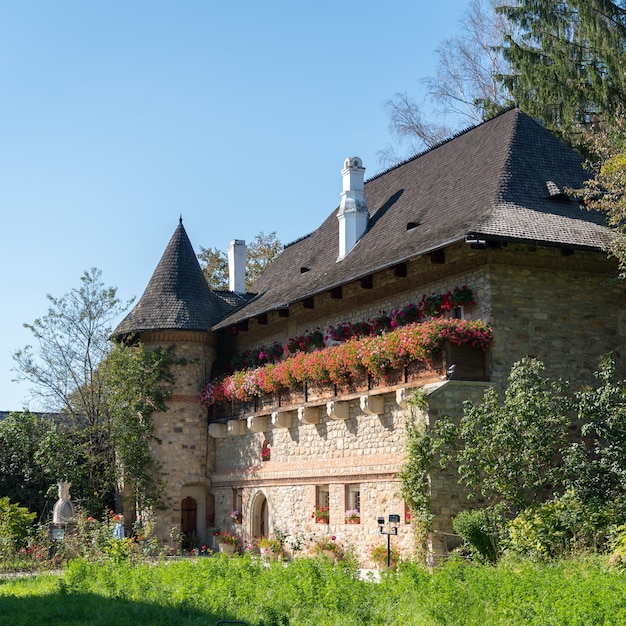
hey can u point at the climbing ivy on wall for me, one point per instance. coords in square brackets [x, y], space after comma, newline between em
[424, 443]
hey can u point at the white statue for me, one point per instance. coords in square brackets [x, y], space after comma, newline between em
[63, 511]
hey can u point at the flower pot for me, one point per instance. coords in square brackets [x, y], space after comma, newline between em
[267, 401]
[355, 520]
[321, 520]
[226, 548]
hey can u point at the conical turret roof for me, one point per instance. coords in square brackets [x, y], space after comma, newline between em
[178, 296]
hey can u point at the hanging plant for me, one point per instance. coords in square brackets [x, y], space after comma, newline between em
[375, 355]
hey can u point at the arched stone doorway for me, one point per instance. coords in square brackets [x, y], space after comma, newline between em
[193, 501]
[260, 516]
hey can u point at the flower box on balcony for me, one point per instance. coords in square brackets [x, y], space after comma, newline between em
[287, 397]
[390, 378]
[354, 385]
[267, 401]
[469, 363]
[319, 391]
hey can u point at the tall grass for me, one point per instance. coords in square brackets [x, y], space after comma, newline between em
[310, 591]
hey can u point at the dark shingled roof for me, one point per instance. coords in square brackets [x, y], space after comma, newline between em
[499, 180]
[178, 296]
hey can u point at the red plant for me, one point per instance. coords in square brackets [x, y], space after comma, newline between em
[376, 355]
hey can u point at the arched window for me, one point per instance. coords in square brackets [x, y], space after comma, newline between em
[266, 450]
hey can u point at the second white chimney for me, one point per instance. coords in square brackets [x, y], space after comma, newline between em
[237, 266]
[352, 215]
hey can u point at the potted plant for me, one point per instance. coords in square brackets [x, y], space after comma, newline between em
[270, 547]
[321, 514]
[353, 516]
[378, 555]
[328, 547]
[237, 517]
[227, 543]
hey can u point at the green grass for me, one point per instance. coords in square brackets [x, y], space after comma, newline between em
[307, 592]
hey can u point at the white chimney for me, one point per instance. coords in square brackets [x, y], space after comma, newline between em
[237, 266]
[352, 214]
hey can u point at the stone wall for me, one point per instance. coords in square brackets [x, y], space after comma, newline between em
[566, 309]
[185, 450]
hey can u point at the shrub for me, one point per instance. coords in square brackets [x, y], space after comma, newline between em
[326, 546]
[15, 525]
[378, 554]
[559, 527]
[479, 532]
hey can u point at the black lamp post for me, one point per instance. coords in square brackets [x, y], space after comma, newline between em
[393, 519]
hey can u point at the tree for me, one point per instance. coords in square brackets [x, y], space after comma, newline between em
[567, 61]
[35, 452]
[260, 253]
[105, 395]
[137, 381]
[466, 88]
[604, 192]
[72, 339]
[214, 264]
[597, 464]
[510, 448]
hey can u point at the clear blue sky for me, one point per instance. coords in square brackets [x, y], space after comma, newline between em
[117, 117]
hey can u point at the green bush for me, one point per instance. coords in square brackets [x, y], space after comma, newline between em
[559, 527]
[15, 525]
[479, 531]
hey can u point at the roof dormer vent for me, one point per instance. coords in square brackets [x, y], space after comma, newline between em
[352, 215]
[555, 193]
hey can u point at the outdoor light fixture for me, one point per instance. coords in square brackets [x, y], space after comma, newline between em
[393, 519]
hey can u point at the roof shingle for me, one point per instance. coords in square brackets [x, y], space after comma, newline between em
[178, 296]
[490, 180]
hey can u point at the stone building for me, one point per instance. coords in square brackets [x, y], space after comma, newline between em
[486, 212]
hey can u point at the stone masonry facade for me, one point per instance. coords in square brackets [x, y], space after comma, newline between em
[539, 301]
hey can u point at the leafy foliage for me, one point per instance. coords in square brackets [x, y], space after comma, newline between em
[480, 530]
[35, 452]
[423, 445]
[567, 61]
[214, 264]
[597, 464]
[15, 525]
[260, 253]
[105, 397]
[559, 527]
[314, 592]
[137, 381]
[510, 446]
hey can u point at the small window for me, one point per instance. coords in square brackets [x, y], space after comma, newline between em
[353, 497]
[323, 496]
[321, 512]
[237, 499]
[353, 504]
[266, 450]
[457, 313]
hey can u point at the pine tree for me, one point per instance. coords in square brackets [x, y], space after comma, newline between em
[567, 61]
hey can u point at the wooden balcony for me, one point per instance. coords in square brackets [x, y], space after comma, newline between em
[456, 362]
